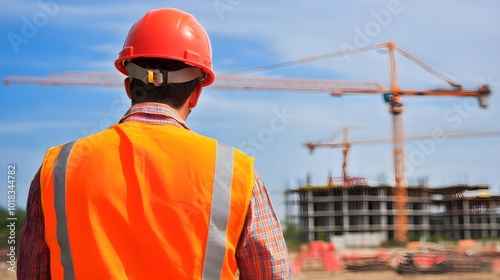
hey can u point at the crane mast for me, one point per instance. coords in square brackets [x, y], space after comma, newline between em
[400, 190]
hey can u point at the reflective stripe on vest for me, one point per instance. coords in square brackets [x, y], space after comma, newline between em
[219, 214]
[60, 203]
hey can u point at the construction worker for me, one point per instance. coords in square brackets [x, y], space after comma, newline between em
[148, 198]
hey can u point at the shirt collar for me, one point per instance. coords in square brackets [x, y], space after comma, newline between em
[154, 113]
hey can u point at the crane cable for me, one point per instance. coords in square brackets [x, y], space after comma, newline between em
[302, 60]
[309, 59]
[428, 68]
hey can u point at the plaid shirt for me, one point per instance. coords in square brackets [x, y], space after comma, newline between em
[260, 254]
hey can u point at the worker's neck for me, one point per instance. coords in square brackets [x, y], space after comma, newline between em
[184, 112]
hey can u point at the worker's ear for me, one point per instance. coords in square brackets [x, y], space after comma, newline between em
[126, 83]
[193, 98]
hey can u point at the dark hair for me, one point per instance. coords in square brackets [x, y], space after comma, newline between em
[174, 95]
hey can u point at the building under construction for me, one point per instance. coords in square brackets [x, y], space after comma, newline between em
[364, 215]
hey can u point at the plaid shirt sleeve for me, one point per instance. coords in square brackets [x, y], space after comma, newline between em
[34, 258]
[262, 252]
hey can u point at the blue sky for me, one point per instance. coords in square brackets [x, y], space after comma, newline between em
[461, 38]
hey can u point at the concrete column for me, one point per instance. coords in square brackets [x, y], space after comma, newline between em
[494, 225]
[383, 207]
[366, 213]
[311, 236]
[345, 210]
[310, 215]
[426, 223]
[455, 226]
[383, 222]
[467, 231]
[466, 213]
[346, 222]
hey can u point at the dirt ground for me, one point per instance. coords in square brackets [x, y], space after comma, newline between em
[390, 275]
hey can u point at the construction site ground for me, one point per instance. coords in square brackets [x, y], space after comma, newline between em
[344, 274]
[464, 267]
[391, 275]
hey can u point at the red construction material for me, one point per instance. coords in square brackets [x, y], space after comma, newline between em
[317, 252]
[496, 265]
[430, 260]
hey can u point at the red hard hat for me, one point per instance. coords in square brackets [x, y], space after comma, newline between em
[172, 34]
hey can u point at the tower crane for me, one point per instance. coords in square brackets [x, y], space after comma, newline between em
[392, 95]
[346, 146]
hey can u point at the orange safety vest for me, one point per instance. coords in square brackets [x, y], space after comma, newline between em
[139, 201]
